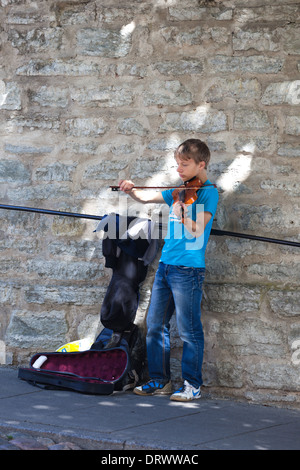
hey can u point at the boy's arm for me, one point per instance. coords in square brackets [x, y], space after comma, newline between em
[195, 228]
[140, 195]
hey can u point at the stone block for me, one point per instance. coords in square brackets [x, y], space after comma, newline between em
[285, 303]
[10, 96]
[234, 88]
[251, 118]
[12, 171]
[292, 125]
[245, 64]
[106, 170]
[201, 119]
[105, 97]
[287, 92]
[180, 67]
[103, 42]
[46, 329]
[70, 295]
[54, 97]
[36, 40]
[82, 127]
[65, 271]
[167, 93]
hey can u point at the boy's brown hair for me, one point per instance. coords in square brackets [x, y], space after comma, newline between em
[195, 149]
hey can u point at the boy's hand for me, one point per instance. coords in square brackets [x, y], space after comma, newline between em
[180, 209]
[126, 185]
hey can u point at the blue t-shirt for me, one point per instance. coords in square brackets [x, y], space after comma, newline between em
[180, 247]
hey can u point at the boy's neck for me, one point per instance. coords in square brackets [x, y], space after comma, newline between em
[202, 175]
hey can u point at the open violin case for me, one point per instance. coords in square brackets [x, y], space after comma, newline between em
[116, 359]
[92, 372]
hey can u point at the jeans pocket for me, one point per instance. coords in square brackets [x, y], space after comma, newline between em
[183, 269]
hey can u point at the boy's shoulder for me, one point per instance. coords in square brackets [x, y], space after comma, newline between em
[208, 190]
[209, 197]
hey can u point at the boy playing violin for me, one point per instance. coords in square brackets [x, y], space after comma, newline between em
[180, 275]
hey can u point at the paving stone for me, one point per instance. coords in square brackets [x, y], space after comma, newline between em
[28, 444]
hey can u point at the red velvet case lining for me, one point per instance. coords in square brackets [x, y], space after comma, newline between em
[108, 365]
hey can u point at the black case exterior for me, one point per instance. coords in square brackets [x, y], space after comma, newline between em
[92, 372]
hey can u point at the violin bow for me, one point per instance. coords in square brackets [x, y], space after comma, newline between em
[117, 188]
[99, 217]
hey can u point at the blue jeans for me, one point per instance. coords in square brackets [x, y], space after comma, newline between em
[176, 288]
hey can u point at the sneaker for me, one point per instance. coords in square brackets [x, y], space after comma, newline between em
[154, 387]
[186, 393]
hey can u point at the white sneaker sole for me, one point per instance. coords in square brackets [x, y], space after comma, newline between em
[177, 397]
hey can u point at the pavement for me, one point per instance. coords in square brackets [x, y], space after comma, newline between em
[124, 421]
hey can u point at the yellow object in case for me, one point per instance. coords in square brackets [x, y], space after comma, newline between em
[78, 345]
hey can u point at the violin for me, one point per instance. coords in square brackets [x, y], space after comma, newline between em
[187, 192]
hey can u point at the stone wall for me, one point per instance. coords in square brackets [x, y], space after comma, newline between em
[91, 91]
